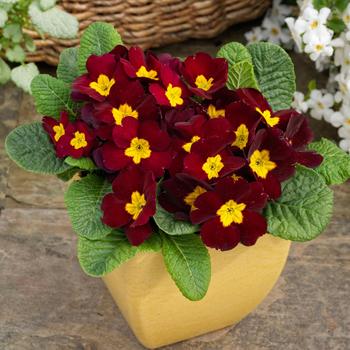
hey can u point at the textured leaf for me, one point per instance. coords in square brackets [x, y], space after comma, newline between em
[23, 75]
[67, 69]
[188, 262]
[274, 71]
[83, 200]
[13, 31]
[54, 21]
[166, 222]
[152, 244]
[99, 257]
[68, 174]
[304, 209]
[51, 95]
[5, 72]
[15, 54]
[47, 4]
[241, 75]
[335, 168]
[234, 53]
[30, 147]
[3, 17]
[98, 39]
[82, 163]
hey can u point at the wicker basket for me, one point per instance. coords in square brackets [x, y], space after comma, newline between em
[152, 23]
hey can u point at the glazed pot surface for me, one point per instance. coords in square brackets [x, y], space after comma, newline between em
[159, 314]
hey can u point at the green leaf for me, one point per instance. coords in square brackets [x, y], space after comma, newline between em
[234, 53]
[13, 31]
[166, 222]
[54, 21]
[99, 257]
[335, 168]
[23, 75]
[274, 71]
[3, 17]
[82, 163]
[51, 95]
[152, 244]
[318, 4]
[5, 72]
[68, 174]
[29, 43]
[241, 75]
[341, 5]
[98, 39]
[67, 69]
[336, 24]
[47, 4]
[15, 54]
[188, 262]
[30, 147]
[83, 200]
[304, 209]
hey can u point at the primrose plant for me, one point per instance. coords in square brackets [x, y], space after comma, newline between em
[16, 16]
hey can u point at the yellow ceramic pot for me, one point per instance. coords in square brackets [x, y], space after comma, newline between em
[159, 314]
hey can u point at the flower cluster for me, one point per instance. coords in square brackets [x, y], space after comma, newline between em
[217, 155]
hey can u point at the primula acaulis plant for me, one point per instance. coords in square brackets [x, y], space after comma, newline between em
[178, 156]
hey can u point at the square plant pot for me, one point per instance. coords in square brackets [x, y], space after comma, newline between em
[159, 314]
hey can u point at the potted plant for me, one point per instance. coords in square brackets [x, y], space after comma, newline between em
[196, 172]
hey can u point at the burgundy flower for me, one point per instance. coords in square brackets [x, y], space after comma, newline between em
[131, 205]
[244, 121]
[257, 101]
[70, 139]
[179, 193]
[141, 65]
[209, 160]
[298, 134]
[173, 92]
[229, 214]
[142, 144]
[271, 160]
[104, 72]
[215, 108]
[126, 100]
[205, 74]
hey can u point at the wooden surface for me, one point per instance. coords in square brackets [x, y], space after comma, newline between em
[46, 301]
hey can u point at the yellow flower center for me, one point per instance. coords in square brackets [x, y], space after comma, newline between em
[261, 164]
[59, 131]
[215, 113]
[213, 166]
[139, 149]
[78, 141]
[191, 197]
[187, 146]
[236, 177]
[173, 94]
[319, 47]
[314, 24]
[203, 83]
[272, 121]
[124, 111]
[136, 205]
[103, 85]
[346, 19]
[144, 73]
[231, 212]
[242, 135]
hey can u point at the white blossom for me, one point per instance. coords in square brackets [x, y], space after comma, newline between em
[279, 12]
[320, 105]
[255, 35]
[318, 43]
[315, 19]
[341, 118]
[274, 32]
[346, 17]
[295, 33]
[299, 102]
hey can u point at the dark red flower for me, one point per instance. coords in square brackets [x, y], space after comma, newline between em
[229, 214]
[173, 92]
[131, 205]
[142, 144]
[298, 134]
[104, 72]
[271, 160]
[244, 121]
[209, 160]
[70, 139]
[141, 65]
[179, 193]
[205, 74]
[126, 100]
[257, 101]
